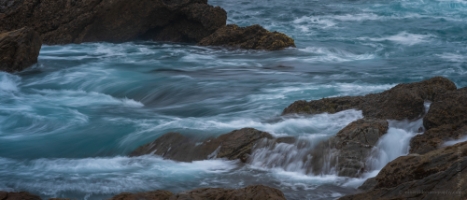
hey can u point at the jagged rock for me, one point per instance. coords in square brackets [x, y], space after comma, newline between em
[18, 196]
[404, 101]
[433, 138]
[257, 192]
[237, 144]
[19, 49]
[348, 151]
[438, 174]
[77, 21]
[450, 108]
[251, 37]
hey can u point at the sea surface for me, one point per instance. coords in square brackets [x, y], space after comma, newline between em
[67, 123]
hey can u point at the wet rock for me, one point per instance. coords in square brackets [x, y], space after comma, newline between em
[438, 174]
[237, 144]
[77, 21]
[18, 196]
[19, 49]
[404, 101]
[257, 192]
[450, 108]
[348, 151]
[251, 37]
[433, 138]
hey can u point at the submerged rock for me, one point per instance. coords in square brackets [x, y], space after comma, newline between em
[19, 49]
[18, 196]
[438, 174]
[61, 22]
[404, 101]
[251, 37]
[237, 144]
[257, 192]
[347, 152]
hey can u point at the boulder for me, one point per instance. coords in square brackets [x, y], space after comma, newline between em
[19, 49]
[18, 196]
[257, 192]
[251, 37]
[347, 152]
[433, 138]
[77, 21]
[438, 174]
[450, 108]
[237, 144]
[404, 101]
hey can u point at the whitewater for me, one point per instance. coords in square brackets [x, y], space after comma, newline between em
[68, 123]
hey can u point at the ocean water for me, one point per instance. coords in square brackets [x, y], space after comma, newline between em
[67, 123]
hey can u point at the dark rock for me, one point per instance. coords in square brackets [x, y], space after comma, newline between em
[438, 174]
[19, 49]
[18, 196]
[251, 37]
[155, 195]
[404, 101]
[348, 151]
[450, 108]
[433, 138]
[237, 144]
[257, 192]
[77, 21]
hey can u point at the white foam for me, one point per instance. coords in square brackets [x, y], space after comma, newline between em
[453, 57]
[9, 82]
[403, 38]
[330, 54]
[453, 142]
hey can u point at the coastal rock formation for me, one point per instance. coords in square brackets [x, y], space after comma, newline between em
[18, 196]
[257, 192]
[251, 37]
[446, 120]
[438, 174]
[19, 49]
[347, 152]
[77, 21]
[237, 144]
[404, 101]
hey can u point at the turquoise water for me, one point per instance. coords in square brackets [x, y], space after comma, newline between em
[67, 123]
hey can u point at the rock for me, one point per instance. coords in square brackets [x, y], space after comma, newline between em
[348, 151]
[257, 192]
[433, 138]
[18, 196]
[154, 195]
[438, 174]
[237, 144]
[450, 108]
[19, 49]
[251, 37]
[404, 101]
[77, 21]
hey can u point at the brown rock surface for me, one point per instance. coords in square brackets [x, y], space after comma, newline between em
[257, 192]
[18, 196]
[404, 101]
[19, 49]
[433, 138]
[77, 21]
[237, 144]
[348, 151]
[251, 37]
[438, 174]
[450, 108]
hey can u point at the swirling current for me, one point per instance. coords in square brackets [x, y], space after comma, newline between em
[67, 123]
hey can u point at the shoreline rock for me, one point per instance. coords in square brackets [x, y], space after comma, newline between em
[18, 196]
[19, 49]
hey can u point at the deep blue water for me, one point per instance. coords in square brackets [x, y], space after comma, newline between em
[67, 123]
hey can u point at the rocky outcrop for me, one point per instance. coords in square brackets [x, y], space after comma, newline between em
[404, 101]
[18, 196]
[19, 49]
[251, 37]
[347, 152]
[237, 144]
[446, 120]
[438, 174]
[77, 21]
[258, 192]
